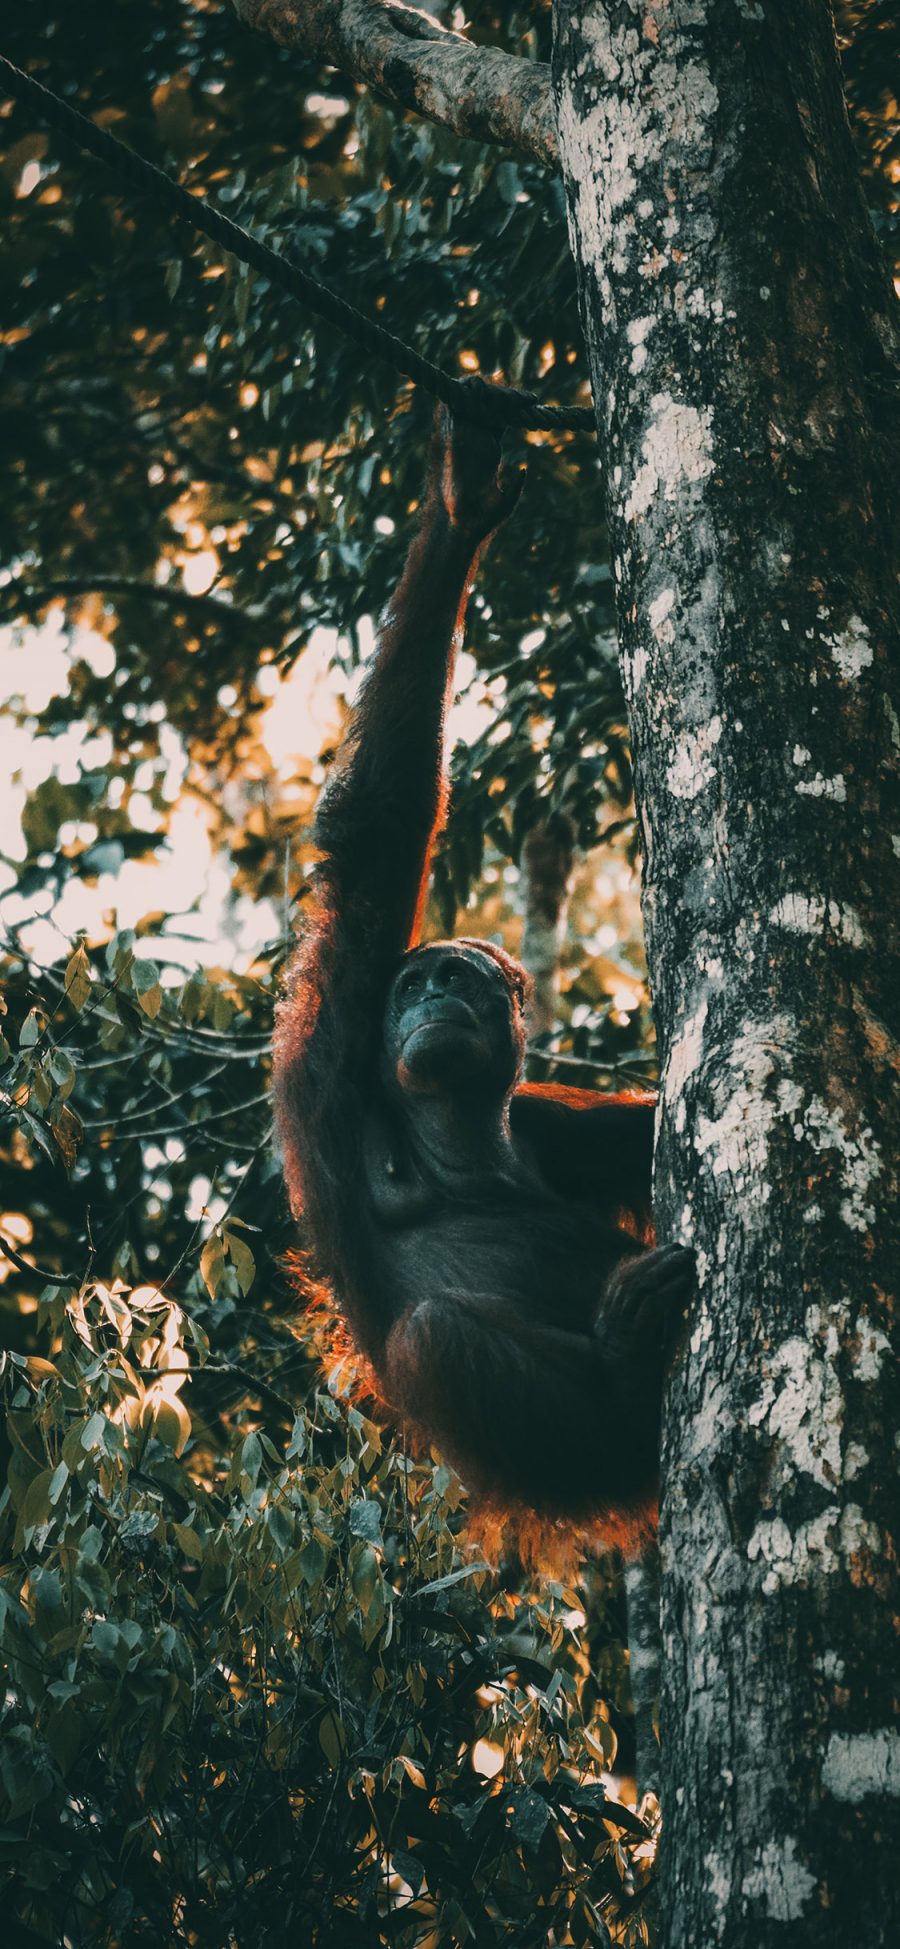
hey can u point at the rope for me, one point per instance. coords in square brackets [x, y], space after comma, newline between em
[469, 399]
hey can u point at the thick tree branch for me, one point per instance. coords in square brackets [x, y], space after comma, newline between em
[418, 64]
[23, 602]
[38, 1271]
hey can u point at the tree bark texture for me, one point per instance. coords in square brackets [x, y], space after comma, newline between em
[642, 1602]
[742, 343]
[418, 64]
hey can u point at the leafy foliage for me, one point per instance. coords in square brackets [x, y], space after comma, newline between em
[150, 387]
[204, 479]
[254, 1681]
[259, 1681]
[247, 1689]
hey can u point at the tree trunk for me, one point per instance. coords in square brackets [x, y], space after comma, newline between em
[642, 1603]
[740, 334]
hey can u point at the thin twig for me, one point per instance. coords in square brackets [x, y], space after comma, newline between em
[38, 1271]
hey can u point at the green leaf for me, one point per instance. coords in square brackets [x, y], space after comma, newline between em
[192, 997]
[27, 1776]
[105, 1637]
[46, 1590]
[250, 1462]
[145, 979]
[332, 1738]
[242, 294]
[453, 1577]
[151, 1001]
[529, 1819]
[78, 978]
[296, 1447]
[212, 1264]
[241, 1258]
[62, 1069]
[73, 1451]
[365, 1520]
[364, 1577]
[312, 1561]
[36, 1507]
[169, 1420]
[189, 1541]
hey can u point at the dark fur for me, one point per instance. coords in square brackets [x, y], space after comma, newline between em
[515, 1316]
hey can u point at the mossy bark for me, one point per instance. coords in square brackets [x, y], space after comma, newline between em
[743, 349]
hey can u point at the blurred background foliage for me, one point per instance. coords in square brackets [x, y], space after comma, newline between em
[261, 1686]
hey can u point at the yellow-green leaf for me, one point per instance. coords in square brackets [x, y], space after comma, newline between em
[243, 1261]
[78, 978]
[332, 1738]
[212, 1264]
[188, 1541]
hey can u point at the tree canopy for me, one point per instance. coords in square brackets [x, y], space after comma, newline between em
[260, 1679]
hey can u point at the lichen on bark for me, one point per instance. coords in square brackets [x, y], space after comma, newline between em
[741, 337]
